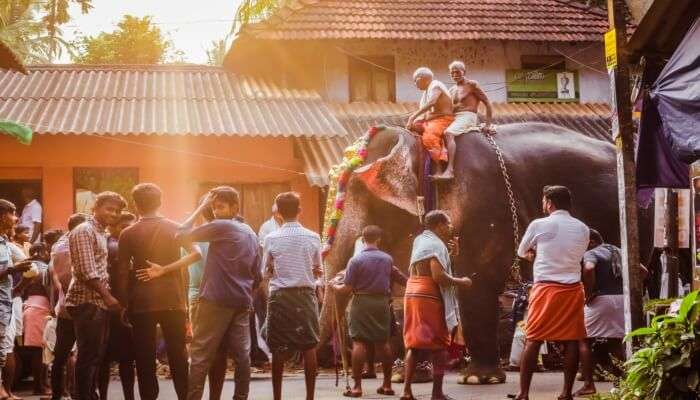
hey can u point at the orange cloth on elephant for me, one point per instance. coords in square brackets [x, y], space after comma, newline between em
[432, 138]
[556, 312]
[424, 315]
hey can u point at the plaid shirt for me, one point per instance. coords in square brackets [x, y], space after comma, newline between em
[88, 253]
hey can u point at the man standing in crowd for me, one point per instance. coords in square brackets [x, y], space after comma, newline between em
[556, 243]
[292, 259]
[7, 268]
[120, 345]
[271, 225]
[430, 303]
[60, 267]
[89, 300]
[31, 214]
[604, 316]
[152, 240]
[368, 277]
[231, 272]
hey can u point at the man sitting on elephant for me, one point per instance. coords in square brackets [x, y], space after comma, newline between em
[436, 109]
[430, 302]
[466, 96]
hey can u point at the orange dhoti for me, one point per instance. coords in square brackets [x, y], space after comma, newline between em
[556, 312]
[424, 315]
[432, 138]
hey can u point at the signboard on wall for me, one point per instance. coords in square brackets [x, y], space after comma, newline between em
[524, 85]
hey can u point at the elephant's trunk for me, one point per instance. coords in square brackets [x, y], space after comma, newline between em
[349, 228]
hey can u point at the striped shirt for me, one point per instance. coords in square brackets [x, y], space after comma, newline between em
[292, 251]
[88, 254]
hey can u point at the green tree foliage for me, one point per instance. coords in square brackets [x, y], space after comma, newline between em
[135, 41]
[32, 28]
[667, 367]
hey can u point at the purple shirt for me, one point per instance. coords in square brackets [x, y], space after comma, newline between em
[370, 272]
[231, 269]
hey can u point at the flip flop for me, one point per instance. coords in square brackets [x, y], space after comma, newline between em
[350, 393]
[516, 397]
[385, 392]
[584, 393]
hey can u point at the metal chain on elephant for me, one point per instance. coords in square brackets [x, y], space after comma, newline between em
[515, 268]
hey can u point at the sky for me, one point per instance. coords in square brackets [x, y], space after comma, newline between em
[192, 25]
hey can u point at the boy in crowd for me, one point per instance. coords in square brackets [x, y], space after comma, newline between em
[89, 300]
[231, 272]
[292, 259]
[163, 301]
[120, 347]
[7, 268]
[60, 270]
[368, 277]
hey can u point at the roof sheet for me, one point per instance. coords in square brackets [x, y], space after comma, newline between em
[160, 100]
[539, 20]
[319, 155]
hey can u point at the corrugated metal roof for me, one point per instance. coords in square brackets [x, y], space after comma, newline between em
[591, 119]
[160, 100]
[540, 20]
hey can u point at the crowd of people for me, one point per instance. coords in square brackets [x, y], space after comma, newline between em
[117, 284]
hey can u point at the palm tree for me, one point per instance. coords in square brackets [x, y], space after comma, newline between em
[31, 28]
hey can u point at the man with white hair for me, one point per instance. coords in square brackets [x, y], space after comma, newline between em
[436, 109]
[466, 96]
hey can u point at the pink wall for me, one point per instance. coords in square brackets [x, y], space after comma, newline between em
[177, 164]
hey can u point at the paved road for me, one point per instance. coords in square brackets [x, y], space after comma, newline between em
[546, 386]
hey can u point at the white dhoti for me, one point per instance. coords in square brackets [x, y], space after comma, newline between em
[465, 121]
[605, 317]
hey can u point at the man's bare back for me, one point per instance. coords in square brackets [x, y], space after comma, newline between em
[442, 107]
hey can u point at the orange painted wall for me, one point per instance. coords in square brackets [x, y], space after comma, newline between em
[176, 164]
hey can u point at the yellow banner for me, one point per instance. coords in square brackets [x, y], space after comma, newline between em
[611, 49]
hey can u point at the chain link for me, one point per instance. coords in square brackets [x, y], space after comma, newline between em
[515, 268]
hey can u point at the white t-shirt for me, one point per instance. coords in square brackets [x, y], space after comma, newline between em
[31, 214]
[434, 87]
[560, 241]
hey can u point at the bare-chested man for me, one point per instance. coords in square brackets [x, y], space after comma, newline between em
[436, 109]
[466, 96]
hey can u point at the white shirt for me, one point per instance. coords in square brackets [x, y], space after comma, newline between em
[560, 241]
[435, 86]
[294, 251]
[266, 228]
[31, 214]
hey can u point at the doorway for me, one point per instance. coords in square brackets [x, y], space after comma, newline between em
[11, 190]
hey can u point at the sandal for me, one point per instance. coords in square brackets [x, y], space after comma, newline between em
[350, 393]
[404, 397]
[516, 397]
[566, 397]
[385, 392]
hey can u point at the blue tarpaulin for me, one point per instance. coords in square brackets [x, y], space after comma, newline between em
[676, 95]
[670, 124]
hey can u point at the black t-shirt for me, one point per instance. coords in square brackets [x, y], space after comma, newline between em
[606, 282]
[153, 239]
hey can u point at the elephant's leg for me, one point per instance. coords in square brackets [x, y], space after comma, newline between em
[480, 316]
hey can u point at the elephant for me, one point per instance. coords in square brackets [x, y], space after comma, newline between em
[384, 189]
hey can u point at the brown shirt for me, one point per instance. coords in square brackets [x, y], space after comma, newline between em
[151, 239]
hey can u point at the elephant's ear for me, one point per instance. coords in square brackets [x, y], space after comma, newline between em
[391, 178]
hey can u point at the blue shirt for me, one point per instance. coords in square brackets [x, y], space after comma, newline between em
[196, 270]
[231, 268]
[370, 272]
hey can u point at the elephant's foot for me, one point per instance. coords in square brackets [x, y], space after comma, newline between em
[481, 375]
